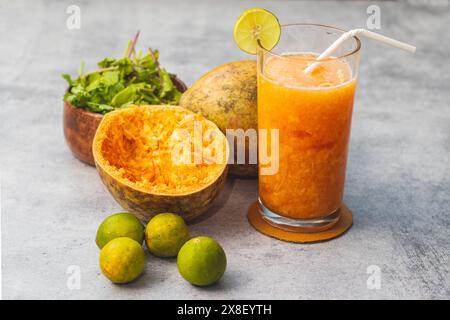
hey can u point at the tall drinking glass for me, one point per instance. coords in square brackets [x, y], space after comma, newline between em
[312, 113]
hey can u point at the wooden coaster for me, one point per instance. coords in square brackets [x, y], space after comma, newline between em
[344, 223]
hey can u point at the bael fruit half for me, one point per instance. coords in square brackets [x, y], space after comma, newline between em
[256, 25]
[202, 261]
[158, 159]
[165, 234]
[123, 224]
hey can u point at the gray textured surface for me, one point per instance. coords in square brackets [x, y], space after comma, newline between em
[398, 181]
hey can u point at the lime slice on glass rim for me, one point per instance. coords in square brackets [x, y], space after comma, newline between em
[256, 25]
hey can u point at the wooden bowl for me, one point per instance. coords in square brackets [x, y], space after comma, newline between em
[80, 127]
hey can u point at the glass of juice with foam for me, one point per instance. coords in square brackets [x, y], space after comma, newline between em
[312, 113]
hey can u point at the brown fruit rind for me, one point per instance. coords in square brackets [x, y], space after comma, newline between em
[227, 96]
[145, 204]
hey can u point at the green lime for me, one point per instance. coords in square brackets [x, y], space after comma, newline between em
[165, 234]
[202, 261]
[122, 260]
[255, 25]
[121, 224]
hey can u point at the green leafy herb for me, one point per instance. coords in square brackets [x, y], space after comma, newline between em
[132, 79]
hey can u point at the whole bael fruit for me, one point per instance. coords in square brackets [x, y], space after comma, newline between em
[202, 261]
[122, 260]
[227, 96]
[121, 224]
[165, 234]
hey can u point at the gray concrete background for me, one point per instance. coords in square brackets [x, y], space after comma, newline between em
[398, 181]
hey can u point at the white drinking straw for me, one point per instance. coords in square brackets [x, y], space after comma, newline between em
[355, 32]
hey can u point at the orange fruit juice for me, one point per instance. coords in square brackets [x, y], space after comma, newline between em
[313, 114]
